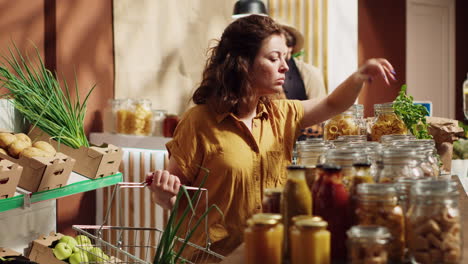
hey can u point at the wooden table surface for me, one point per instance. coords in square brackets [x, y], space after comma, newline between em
[237, 257]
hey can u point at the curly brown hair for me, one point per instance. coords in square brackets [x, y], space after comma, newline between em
[226, 81]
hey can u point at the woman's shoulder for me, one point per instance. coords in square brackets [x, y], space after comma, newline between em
[197, 113]
[284, 105]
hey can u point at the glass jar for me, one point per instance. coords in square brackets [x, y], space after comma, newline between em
[386, 122]
[309, 151]
[430, 162]
[272, 200]
[361, 174]
[362, 124]
[263, 240]
[123, 115]
[296, 199]
[332, 203]
[388, 139]
[158, 116]
[342, 124]
[170, 124]
[345, 158]
[110, 115]
[377, 204]
[368, 244]
[310, 241]
[353, 138]
[399, 163]
[434, 224]
[403, 187]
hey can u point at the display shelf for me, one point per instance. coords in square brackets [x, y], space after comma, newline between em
[76, 184]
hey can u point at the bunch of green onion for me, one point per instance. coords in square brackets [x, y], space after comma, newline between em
[38, 95]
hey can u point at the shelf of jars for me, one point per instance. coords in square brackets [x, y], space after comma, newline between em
[76, 184]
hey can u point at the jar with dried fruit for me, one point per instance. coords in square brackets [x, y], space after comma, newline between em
[434, 225]
[377, 204]
[368, 244]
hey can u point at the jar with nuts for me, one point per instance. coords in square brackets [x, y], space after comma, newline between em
[434, 226]
[377, 204]
[368, 244]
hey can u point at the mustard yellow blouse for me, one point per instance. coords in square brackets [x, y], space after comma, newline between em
[241, 163]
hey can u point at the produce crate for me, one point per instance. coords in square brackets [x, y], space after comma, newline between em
[43, 173]
[41, 252]
[4, 252]
[92, 162]
[10, 174]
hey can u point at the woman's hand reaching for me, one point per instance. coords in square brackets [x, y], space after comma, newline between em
[164, 187]
[374, 68]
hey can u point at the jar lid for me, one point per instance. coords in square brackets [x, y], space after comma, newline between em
[277, 217]
[362, 164]
[376, 188]
[296, 167]
[296, 218]
[368, 232]
[395, 137]
[328, 167]
[262, 221]
[434, 188]
[311, 222]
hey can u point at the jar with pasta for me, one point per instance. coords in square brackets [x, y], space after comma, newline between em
[135, 117]
[434, 224]
[386, 122]
[342, 124]
[368, 244]
[377, 204]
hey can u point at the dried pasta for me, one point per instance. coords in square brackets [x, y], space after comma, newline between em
[340, 125]
[387, 124]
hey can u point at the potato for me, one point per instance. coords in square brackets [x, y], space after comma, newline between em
[6, 139]
[23, 137]
[34, 152]
[3, 151]
[16, 147]
[42, 145]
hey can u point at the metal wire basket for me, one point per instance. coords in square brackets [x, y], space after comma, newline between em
[122, 244]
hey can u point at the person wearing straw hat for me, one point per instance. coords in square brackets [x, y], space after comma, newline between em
[303, 81]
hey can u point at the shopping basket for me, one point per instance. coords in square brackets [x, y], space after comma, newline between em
[124, 244]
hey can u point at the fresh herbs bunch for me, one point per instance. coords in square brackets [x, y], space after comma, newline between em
[38, 95]
[166, 251]
[413, 115]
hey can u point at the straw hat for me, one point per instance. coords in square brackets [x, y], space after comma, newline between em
[299, 37]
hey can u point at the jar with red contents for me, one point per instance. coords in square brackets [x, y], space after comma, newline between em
[170, 124]
[332, 203]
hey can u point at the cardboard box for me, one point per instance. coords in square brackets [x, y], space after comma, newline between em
[92, 162]
[43, 173]
[41, 252]
[4, 252]
[10, 174]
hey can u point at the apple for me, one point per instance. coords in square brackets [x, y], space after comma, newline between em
[83, 240]
[97, 255]
[78, 257]
[69, 240]
[62, 251]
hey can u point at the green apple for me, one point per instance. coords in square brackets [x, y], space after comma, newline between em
[83, 240]
[69, 240]
[79, 257]
[97, 255]
[62, 251]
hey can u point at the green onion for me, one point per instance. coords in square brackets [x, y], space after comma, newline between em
[38, 95]
[165, 251]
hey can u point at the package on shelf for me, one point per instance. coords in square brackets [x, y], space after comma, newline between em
[92, 162]
[43, 173]
[41, 252]
[10, 174]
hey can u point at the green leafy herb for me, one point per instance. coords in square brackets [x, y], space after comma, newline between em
[37, 94]
[413, 115]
